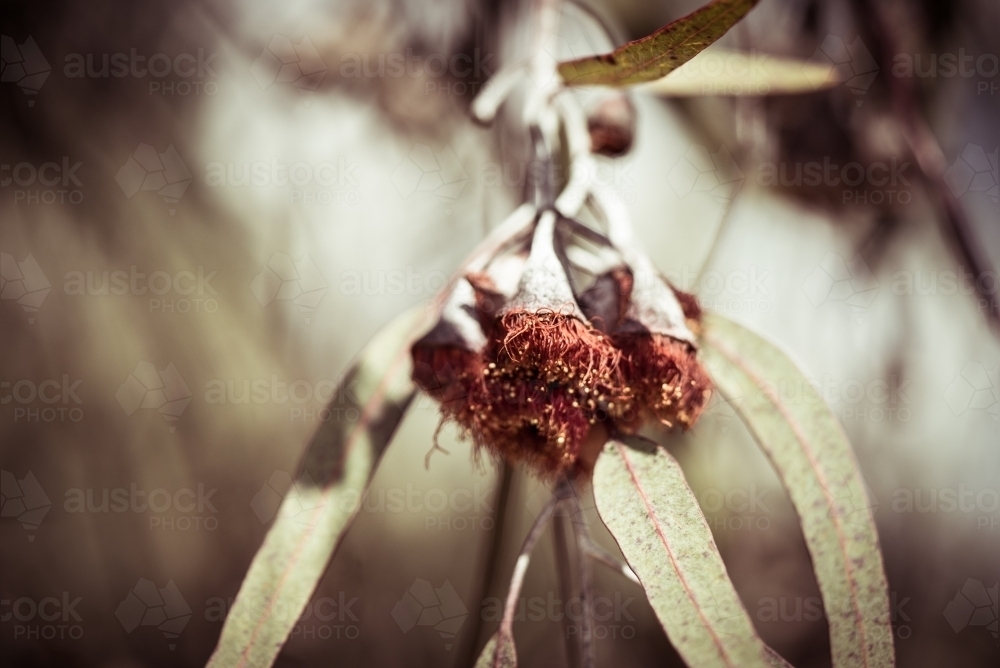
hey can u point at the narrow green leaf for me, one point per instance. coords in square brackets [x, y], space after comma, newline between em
[817, 467]
[660, 53]
[318, 509]
[646, 503]
[729, 73]
[499, 652]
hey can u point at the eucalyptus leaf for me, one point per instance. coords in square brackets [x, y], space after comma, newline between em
[316, 512]
[817, 467]
[660, 53]
[644, 500]
[721, 72]
[499, 652]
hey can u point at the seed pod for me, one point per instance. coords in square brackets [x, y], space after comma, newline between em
[612, 125]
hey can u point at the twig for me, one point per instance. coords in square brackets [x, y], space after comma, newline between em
[564, 568]
[487, 580]
[599, 554]
[932, 163]
[588, 656]
[521, 566]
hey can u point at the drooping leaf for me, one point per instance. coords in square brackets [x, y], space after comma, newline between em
[720, 72]
[499, 652]
[315, 514]
[817, 467]
[644, 500]
[660, 53]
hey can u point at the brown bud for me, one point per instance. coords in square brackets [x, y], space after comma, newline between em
[612, 125]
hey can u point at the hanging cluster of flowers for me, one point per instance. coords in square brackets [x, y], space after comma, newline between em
[533, 363]
[535, 373]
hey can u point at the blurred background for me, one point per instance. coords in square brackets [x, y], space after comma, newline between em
[208, 207]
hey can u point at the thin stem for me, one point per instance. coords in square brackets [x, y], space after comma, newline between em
[599, 554]
[585, 585]
[564, 568]
[487, 580]
[521, 566]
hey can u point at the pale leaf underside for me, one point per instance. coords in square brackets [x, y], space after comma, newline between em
[817, 467]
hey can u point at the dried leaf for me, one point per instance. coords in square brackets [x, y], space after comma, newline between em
[658, 54]
[318, 509]
[728, 73]
[644, 500]
[817, 467]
